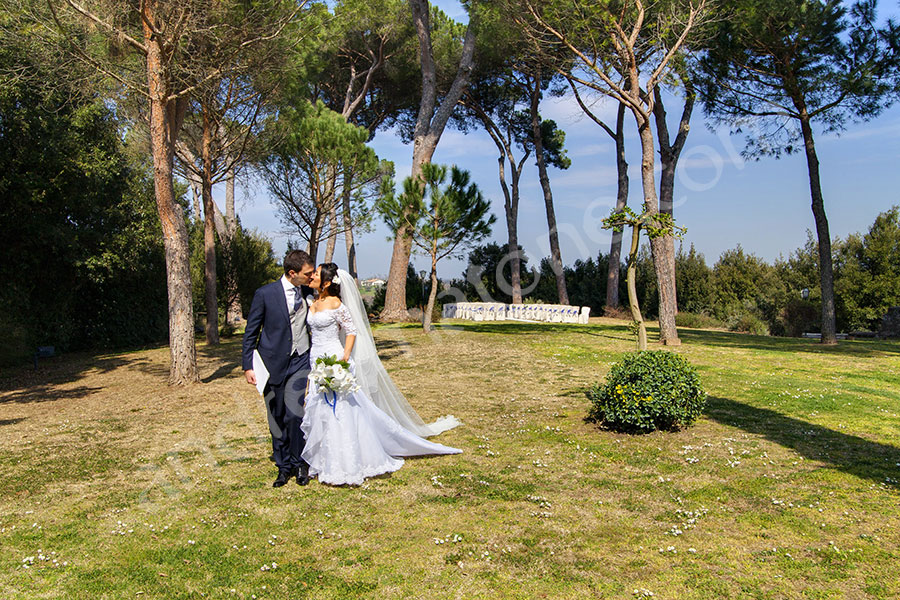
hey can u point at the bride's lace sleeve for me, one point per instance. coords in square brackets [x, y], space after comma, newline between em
[345, 320]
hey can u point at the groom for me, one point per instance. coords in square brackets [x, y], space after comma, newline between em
[277, 328]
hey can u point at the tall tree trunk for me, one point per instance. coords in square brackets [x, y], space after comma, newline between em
[197, 193]
[516, 255]
[615, 247]
[669, 153]
[230, 216]
[330, 205]
[165, 120]
[826, 269]
[429, 307]
[233, 314]
[430, 124]
[512, 230]
[315, 231]
[332, 236]
[209, 235]
[555, 255]
[348, 226]
[633, 303]
[503, 141]
[665, 276]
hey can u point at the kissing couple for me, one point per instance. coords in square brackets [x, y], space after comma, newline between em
[312, 313]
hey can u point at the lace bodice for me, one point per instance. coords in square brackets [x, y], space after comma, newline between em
[326, 326]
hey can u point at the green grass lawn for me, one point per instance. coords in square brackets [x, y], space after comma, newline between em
[113, 485]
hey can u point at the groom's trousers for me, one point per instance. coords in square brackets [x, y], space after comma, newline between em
[284, 405]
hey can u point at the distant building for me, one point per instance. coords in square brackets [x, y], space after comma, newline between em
[373, 282]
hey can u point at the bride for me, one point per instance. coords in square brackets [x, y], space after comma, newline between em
[363, 433]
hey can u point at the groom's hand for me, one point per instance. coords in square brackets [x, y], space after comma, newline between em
[251, 376]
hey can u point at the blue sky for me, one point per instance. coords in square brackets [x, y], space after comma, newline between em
[722, 200]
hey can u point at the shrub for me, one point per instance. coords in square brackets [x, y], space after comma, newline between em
[748, 323]
[619, 312]
[648, 390]
[698, 321]
[799, 316]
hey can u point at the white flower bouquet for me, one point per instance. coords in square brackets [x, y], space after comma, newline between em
[333, 375]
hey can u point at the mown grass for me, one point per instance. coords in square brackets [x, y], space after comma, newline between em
[786, 488]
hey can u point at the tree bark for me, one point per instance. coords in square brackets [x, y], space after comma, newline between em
[230, 216]
[330, 205]
[555, 255]
[430, 124]
[348, 228]
[826, 269]
[429, 306]
[669, 153]
[332, 236]
[209, 235]
[197, 193]
[234, 313]
[615, 247]
[312, 248]
[165, 119]
[633, 303]
[512, 231]
[662, 261]
[503, 142]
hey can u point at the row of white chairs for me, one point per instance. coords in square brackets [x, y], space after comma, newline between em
[498, 311]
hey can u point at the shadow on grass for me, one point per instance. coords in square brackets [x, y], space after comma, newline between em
[698, 337]
[615, 332]
[11, 421]
[25, 385]
[228, 354]
[223, 371]
[45, 393]
[857, 456]
[390, 349]
[728, 339]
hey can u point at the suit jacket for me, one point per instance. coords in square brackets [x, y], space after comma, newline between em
[269, 330]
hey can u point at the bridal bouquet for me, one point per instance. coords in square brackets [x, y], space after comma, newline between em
[333, 375]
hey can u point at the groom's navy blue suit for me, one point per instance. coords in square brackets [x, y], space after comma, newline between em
[269, 331]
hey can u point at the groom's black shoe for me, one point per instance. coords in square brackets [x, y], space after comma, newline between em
[283, 476]
[303, 475]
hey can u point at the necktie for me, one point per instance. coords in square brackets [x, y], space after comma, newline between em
[298, 298]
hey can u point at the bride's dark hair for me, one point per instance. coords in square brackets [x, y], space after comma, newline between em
[327, 274]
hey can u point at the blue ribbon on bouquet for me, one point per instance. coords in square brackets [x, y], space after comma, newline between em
[333, 403]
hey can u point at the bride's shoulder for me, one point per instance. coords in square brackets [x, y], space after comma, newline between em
[332, 303]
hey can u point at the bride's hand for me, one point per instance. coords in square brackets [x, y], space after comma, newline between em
[348, 347]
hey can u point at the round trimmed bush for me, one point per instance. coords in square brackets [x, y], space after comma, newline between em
[646, 391]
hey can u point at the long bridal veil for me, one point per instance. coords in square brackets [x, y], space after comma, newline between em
[372, 376]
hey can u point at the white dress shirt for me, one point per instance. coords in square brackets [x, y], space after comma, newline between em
[291, 293]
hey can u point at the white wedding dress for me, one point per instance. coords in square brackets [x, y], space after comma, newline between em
[351, 439]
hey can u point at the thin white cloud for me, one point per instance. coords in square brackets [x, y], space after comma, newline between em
[890, 129]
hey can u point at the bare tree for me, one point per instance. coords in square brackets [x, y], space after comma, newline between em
[496, 111]
[617, 133]
[624, 50]
[548, 141]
